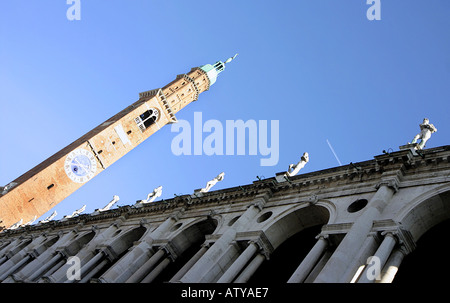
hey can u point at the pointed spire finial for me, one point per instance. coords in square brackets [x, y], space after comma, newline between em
[212, 71]
[231, 59]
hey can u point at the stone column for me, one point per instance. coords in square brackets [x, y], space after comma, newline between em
[16, 266]
[354, 239]
[54, 268]
[319, 266]
[43, 260]
[124, 268]
[15, 247]
[67, 238]
[250, 269]
[368, 249]
[189, 264]
[39, 265]
[309, 261]
[18, 253]
[147, 267]
[158, 269]
[8, 247]
[390, 269]
[239, 263]
[3, 244]
[382, 254]
[3, 259]
[86, 268]
[95, 270]
[45, 267]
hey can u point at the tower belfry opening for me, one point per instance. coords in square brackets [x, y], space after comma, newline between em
[147, 118]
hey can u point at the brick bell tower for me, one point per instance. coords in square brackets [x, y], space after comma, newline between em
[42, 187]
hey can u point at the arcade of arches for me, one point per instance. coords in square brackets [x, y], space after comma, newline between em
[319, 227]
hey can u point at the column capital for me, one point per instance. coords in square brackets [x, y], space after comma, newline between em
[392, 178]
[262, 249]
[33, 254]
[390, 233]
[64, 252]
[325, 238]
[322, 236]
[169, 251]
[206, 245]
[375, 235]
[257, 204]
[143, 222]
[176, 215]
[108, 252]
[261, 198]
[402, 249]
[403, 238]
[264, 246]
[391, 183]
[119, 221]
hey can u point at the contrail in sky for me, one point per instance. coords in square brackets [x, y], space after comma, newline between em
[331, 147]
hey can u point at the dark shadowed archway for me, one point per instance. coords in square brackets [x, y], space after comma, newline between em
[428, 263]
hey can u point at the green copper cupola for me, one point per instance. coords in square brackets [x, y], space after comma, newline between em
[212, 71]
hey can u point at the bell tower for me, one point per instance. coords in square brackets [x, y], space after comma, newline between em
[42, 187]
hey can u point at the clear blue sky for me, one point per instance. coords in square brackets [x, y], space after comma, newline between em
[319, 67]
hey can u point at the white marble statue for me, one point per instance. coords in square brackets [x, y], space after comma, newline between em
[294, 169]
[16, 225]
[49, 218]
[29, 222]
[212, 182]
[7, 187]
[77, 212]
[426, 129]
[110, 204]
[157, 192]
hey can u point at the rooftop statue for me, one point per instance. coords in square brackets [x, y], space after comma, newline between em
[157, 192]
[110, 204]
[77, 212]
[294, 169]
[49, 218]
[212, 182]
[16, 225]
[426, 129]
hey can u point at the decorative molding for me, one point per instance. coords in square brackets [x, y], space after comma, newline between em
[259, 238]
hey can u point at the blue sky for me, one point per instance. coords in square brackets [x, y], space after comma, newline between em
[319, 67]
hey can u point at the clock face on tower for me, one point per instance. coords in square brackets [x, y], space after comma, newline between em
[80, 165]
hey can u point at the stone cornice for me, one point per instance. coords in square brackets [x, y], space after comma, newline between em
[391, 167]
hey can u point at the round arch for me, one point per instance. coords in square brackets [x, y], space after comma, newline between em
[426, 211]
[186, 243]
[295, 220]
[292, 236]
[77, 244]
[427, 218]
[126, 238]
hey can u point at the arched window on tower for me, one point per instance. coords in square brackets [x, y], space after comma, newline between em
[147, 118]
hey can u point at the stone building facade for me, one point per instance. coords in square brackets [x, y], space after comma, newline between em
[315, 227]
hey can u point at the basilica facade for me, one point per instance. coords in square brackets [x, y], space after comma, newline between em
[358, 223]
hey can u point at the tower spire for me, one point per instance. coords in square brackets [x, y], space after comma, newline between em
[212, 71]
